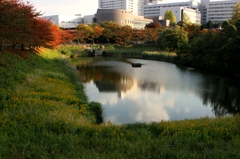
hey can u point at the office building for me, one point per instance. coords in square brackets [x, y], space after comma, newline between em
[217, 11]
[156, 10]
[65, 21]
[134, 6]
[137, 13]
[121, 17]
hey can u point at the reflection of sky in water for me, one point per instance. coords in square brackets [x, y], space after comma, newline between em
[156, 91]
[146, 106]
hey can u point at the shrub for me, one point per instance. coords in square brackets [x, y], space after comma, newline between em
[97, 110]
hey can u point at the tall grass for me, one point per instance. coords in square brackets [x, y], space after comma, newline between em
[151, 52]
[44, 113]
[72, 50]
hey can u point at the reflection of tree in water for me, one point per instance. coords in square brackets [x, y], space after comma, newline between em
[105, 79]
[222, 94]
[150, 86]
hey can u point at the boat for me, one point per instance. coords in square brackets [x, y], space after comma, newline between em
[136, 65]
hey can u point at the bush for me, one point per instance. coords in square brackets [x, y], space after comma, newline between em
[97, 110]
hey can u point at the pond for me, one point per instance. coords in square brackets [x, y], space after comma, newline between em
[155, 91]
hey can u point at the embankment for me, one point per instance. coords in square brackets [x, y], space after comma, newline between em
[44, 114]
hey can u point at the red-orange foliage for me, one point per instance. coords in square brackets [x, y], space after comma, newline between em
[98, 31]
[20, 26]
[192, 30]
[138, 35]
[56, 34]
[152, 34]
[67, 36]
[154, 24]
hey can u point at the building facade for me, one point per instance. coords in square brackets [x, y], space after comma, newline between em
[217, 11]
[137, 13]
[157, 9]
[121, 17]
[134, 6]
[65, 21]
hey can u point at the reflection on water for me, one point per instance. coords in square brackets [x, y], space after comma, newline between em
[156, 91]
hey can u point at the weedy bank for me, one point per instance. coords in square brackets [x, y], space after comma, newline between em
[44, 113]
[150, 52]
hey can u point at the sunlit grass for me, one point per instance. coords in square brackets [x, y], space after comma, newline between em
[72, 50]
[44, 113]
[152, 52]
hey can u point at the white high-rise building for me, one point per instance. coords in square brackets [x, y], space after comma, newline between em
[156, 10]
[155, 1]
[217, 11]
[65, 21]
[214, 10]
[135, 6]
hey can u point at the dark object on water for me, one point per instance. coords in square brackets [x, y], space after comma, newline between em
[136, 64]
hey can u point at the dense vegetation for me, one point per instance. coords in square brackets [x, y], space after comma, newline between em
[217, 51]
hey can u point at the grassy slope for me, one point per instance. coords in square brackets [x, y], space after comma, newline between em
[44, 114]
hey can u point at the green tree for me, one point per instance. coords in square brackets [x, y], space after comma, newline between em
[203, 26]
[170, 39]
[209, 24]
[225, 24]
[216, 24]
[231, 53]
[186, 19]
[229, 30]
[238, 26]
[236, 13]
[170, 16]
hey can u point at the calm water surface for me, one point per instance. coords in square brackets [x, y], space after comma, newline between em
[156, 91]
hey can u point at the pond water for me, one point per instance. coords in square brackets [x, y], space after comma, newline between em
[155, 91]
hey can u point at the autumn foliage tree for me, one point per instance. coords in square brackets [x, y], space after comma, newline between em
[67, 36]
[193, 30]
[152, 31]
[138, 35]
[84, 33]
[97, 31]
[125, 35]
[21, 27]
[110, 31]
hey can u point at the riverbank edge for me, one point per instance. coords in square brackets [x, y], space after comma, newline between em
[147, 52]
[56, 132]
[163, 56]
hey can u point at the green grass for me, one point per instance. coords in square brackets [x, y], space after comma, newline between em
[151, 52]
[72, 50]
[44, 114]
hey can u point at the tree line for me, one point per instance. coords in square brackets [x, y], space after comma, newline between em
[111, 32]
[215, 50]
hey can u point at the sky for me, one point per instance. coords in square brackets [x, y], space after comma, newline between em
[65, 7]
[69, 7]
